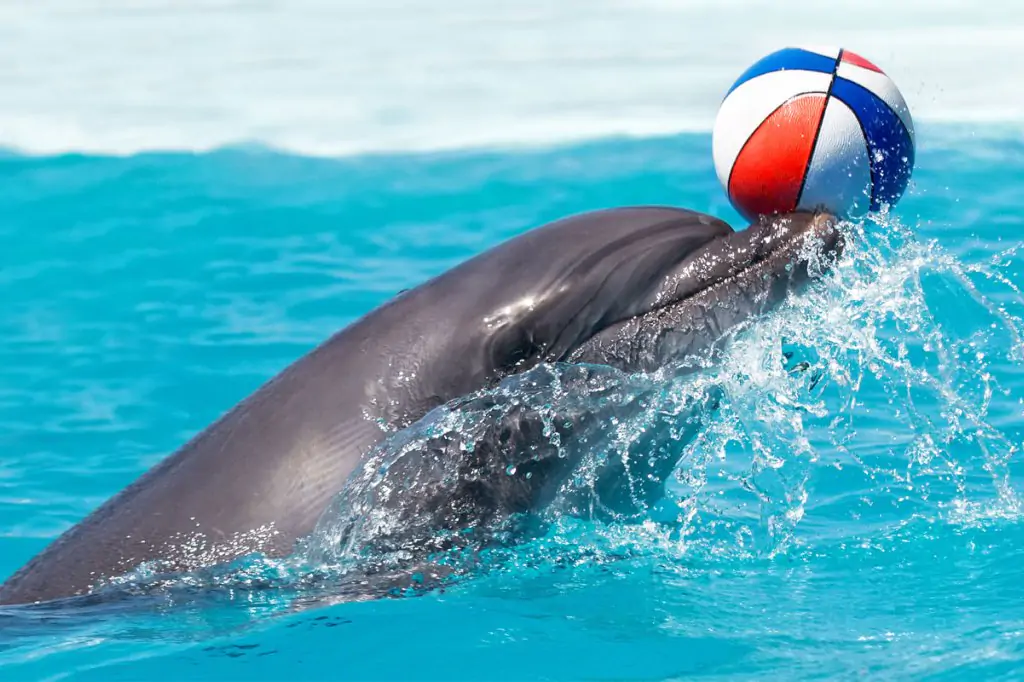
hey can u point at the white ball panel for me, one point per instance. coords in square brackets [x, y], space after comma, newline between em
[839, 175]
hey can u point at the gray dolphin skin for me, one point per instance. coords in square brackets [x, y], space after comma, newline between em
[626, 287]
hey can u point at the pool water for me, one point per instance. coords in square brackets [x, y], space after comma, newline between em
[860, 517]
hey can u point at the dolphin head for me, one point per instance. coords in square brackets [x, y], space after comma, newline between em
[724, 283]
[635, 287]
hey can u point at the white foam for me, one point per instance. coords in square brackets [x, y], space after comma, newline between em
[337, 77]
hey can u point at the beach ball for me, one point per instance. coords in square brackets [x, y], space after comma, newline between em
[813, 128]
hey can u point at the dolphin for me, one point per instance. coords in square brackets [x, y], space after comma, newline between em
[629, 288]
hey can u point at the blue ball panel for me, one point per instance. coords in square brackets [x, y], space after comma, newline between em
[788, 59]
[888, 141]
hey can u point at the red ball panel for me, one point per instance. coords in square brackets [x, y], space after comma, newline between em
[768, 174]
[856, 59]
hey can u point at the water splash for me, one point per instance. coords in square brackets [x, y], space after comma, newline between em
[867, 400]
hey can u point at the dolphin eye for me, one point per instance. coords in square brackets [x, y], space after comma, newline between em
[514, 348]
[523, 352]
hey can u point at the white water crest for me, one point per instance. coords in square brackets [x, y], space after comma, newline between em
[334, 78]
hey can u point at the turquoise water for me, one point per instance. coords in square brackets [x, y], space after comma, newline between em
[859, 517]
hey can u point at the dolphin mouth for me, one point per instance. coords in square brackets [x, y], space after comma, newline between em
[770, 243]
[728, 281]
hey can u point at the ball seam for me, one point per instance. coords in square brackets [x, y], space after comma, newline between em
[817, 132]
